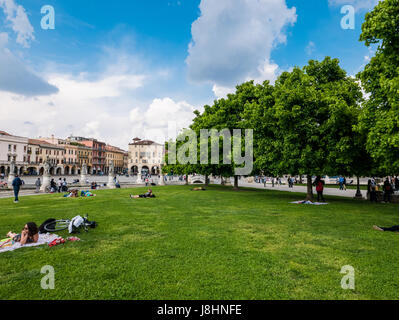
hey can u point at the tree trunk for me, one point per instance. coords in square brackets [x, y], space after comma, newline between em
[309, 195]
[222, 181]
[206, 181]
[186, 179]
[300, 179]
[235, 183]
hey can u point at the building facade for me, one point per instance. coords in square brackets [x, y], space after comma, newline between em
[116, 155]
[13, 148]
[41, 151]
[145, 157]
[98, 153]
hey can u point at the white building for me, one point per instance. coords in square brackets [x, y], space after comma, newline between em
[12, 148]
[145, 156]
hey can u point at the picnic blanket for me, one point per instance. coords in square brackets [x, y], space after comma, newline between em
[310, 202]
[45, 238]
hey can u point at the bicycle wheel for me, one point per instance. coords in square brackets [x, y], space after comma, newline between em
[58, 225]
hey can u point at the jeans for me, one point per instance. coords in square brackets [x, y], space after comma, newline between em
[320, 195]
[387, 196]
[393, 229]
[16, 192]
[373, 196]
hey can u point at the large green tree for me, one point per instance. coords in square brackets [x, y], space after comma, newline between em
[380, 79]
[305, 124]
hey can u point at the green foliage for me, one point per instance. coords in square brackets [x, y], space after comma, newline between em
[304, 125]
[380, 79]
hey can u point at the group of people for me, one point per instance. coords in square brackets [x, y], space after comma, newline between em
[342, 183]
[59, 186]
[291, 182]
[389, 186]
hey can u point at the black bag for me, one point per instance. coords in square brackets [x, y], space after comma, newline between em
[92, 224]
[47, 222]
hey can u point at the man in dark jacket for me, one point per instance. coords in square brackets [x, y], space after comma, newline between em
[16, 184]
[387, 190]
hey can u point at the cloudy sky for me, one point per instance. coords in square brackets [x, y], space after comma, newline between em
[119, 69]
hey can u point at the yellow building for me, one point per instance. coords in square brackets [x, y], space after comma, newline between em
[39, 151]
[116, 155]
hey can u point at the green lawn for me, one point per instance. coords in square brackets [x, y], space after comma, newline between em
[214, 244]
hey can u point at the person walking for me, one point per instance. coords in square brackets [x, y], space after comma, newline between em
[373, 191]
[59, 185]
[319, 183]
[387, 188]
[38, 184]
[64, 185]
[16, 184]
[341, 183]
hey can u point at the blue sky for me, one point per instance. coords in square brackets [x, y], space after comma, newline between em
[120, 69]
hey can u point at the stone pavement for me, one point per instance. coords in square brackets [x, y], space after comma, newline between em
[349, 193]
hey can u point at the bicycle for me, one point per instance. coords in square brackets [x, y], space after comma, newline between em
[63, 224]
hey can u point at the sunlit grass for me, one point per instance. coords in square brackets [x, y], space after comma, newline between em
[214, 244]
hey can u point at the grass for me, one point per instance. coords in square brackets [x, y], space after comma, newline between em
[214, 244]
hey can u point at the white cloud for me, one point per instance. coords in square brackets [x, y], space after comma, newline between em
[221, 92]
[357, 4]
[3, 39]
[310, 48]
[19, 21]
[106, 105]
[232, 40]
[155, 121]
[107, 86]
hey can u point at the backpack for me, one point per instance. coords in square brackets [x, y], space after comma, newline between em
[75, 224]
[47, 222]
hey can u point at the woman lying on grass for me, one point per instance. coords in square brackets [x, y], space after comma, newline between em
[393, 229]
[29, 234]
[199, 189]
[148, 194]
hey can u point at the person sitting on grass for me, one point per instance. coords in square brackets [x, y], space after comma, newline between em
[72, 194]
[87, 194]
[392, 229]
[199, 189]
[29, 234]
[148, 194]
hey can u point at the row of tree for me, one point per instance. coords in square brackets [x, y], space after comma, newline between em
[315, 120]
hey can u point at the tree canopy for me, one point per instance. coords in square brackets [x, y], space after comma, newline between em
[380, 79]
